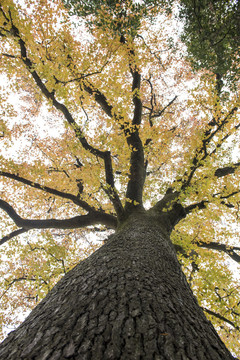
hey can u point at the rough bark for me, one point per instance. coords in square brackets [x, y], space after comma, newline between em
[128, 301]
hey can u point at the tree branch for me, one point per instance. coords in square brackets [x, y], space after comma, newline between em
[12, 234]
[200, 205]
[221, 317]
[75, 199]
[9, 56]
[92, 218]
[137, 171]
[137, 167]
[99, 97]
[165, 108]
[229, 250]
[137, 116]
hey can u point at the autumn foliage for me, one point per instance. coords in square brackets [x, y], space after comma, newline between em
[97, 123]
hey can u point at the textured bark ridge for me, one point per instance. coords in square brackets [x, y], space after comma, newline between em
[129, 301]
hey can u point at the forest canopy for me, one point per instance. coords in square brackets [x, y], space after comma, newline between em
[112, 107]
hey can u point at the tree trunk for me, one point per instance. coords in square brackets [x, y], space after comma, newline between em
[129, 300]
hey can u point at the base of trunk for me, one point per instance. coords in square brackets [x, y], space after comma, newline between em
[128, 301]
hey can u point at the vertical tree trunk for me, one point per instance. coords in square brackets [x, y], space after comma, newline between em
[129, 300]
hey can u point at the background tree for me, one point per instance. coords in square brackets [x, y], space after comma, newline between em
[125, 139]
[211, 33]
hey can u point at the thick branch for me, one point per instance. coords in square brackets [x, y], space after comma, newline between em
[137, 172]
[99, 97]
[137, 169]
[229, 250]
[92, 218]
[137, 116]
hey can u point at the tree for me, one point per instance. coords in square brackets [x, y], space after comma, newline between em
[211, 33]
[134, 157]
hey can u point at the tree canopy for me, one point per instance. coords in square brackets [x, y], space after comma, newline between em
[103, 115]
[211, 33]
[121, 17]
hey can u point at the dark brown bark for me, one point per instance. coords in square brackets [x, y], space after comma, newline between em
[129, 300]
